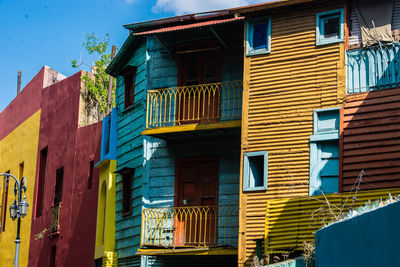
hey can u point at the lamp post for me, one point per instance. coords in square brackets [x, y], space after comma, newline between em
[18, 209]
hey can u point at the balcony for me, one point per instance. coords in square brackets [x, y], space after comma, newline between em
[189, 228]
[373, 68]
[195, 107]
[55, 212]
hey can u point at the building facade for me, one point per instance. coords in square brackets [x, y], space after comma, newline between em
[63, 226]
[105, 254]
[19, 137]
[179, 97]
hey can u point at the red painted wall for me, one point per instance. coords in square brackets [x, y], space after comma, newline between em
[73, 148]
[23, 106]
[371, 139]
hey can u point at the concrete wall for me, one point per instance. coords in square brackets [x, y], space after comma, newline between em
[370, 239]
[73, 148]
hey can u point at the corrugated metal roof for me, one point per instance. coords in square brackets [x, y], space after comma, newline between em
[189, 26]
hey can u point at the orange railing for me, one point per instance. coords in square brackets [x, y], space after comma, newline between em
[199, 226]
[201, 103]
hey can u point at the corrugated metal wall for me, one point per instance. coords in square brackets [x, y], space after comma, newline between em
[281, 90]
[291, 221]
[371, 139]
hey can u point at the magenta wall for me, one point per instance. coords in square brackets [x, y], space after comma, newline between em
[73, 148]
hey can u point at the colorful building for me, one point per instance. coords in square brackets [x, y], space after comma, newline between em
[19, 136]
[320, 118]
[64, 209]
[179, 97]
[105, 254]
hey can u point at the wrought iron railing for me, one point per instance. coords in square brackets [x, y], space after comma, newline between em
[201, 103]
[199, 226]
[55, 212]
[373, 68]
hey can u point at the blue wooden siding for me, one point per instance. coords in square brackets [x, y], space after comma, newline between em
[163, 71]
[109, 137]
[373, 68]
[130, 154]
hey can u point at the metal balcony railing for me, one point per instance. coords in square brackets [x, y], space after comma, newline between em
[373, 68]
[199, 226]
[201, 103]
[55, 211]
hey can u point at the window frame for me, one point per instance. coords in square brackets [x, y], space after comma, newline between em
[128, 172]
[129, 72]
[319, 36]
[315, 140]
[246, 171]
[250, 51]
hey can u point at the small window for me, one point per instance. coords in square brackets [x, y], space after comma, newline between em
[329, 27]
[59, 186]
[90, 179]
[4, 203]
[41, 182]
[258, 36]
[127, 192]
[255, 171]
[129, 82]
[53, 256]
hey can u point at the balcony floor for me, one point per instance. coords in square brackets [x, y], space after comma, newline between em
[188, 251]
[192, 128]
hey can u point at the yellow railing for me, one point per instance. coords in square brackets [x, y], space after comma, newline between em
[199, 226]
[292, 221]
[201, 103]
[55, 212]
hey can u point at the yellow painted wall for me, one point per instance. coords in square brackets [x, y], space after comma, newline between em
[105, 246]
[21, 145]
[281, 90]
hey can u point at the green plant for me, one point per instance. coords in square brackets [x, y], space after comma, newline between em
[96, 83]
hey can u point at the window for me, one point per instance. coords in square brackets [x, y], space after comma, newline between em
[4, 203]
[91, 169]
[129, 81]
[59, 186]
[127, 176]
[42, 178]
[329, 27]
[324, 152]
[53, 254]
[258, 36]
[255, 171]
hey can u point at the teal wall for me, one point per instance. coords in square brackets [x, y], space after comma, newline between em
[130, 154]
[370, 239]
[154, 159]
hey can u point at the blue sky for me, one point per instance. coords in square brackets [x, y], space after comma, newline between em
[50, 32]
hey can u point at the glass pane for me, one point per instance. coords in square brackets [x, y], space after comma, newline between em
[331, 26]
[259, 36]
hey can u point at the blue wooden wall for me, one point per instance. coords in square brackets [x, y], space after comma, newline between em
[154, 159]
[130, 154]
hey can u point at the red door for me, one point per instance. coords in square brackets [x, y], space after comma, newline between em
[199, 103]
[196, 187]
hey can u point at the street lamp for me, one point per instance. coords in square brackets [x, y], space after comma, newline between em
[18, 209]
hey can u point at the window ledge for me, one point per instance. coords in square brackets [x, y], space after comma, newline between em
[324, 137]
[254, 189]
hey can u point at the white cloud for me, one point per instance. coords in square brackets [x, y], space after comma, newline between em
[180, 7]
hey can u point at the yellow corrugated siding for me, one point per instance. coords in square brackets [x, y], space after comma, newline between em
[291, 221]
[281, 90]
